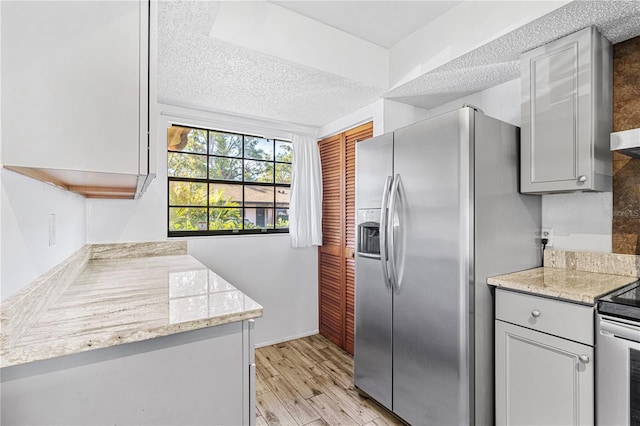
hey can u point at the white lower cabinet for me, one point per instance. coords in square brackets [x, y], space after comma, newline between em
[199, 377]
[541, 378]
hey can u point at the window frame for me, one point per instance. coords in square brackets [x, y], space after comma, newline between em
[244, 183]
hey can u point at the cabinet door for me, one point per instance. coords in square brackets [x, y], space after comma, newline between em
[563, 84]
[191, 378]
[542, 379]
[74, 87]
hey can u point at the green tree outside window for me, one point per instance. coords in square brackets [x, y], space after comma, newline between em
[207, 172]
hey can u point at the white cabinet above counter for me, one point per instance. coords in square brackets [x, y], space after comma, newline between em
[78, 81]
[567, 115]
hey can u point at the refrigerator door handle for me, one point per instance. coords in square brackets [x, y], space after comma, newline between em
[396, 190]
[400, 241]
[383, 232]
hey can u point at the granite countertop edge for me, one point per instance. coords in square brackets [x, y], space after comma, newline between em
[81, 337]
[29, 353]
[565, 284]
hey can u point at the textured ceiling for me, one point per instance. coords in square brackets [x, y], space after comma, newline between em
[498, 61]
[381, 22]
[198, 71]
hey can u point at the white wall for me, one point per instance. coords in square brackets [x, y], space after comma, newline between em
[145, 219]
[24, 215]
[373, 112]
[282, 279]
[387, 115]
[501, 102]
[397, 114]
[580, 221]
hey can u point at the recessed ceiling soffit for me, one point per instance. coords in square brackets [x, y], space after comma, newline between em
[269, 65]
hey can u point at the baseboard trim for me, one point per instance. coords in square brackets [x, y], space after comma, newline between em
[286, 339]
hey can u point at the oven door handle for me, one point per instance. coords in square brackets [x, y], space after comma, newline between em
[624, 331]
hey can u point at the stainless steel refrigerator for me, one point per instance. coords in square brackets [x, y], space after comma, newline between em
[438, 211]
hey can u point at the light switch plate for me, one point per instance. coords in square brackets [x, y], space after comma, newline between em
[52, 229]
[548, 234]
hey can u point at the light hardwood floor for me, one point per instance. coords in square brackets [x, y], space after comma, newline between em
[309, 381]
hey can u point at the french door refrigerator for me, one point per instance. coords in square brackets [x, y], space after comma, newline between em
[438, 211]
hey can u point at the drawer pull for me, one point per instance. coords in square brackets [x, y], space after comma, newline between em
[583, 359]
[535, 313]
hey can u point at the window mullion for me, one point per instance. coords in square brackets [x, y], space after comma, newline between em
[275, 195]
[187, 166]
[244, 210]
[208, 184]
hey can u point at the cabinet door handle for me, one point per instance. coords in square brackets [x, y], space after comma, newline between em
[535, 313]
[582, 178]
[583, 359]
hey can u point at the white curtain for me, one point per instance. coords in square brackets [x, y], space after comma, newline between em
[305, 209]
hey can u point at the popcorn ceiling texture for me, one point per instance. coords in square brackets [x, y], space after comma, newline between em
[441, 86]
[201, 72]
[499, 61]
[198, 71]
[176, 17]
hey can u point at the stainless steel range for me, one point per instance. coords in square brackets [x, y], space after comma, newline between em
[618, 358]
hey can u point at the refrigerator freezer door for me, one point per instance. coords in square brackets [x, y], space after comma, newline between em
[373, 350]
[430, 312]
[373, 310]
[374, 162]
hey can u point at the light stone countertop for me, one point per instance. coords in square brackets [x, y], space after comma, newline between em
[124, 300]
[568, 284]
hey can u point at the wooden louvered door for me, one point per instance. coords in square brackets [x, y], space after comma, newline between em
[331, 268]
[336, 263]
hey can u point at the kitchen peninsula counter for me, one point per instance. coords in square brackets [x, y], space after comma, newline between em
[138, 333]
[119, 298]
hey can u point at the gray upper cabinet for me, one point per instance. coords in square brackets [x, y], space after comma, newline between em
[77, 85]
[567, 115]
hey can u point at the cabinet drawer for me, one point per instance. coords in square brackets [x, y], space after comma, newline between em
[563, 319]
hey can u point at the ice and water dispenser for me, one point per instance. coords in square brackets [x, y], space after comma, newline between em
[369, 233]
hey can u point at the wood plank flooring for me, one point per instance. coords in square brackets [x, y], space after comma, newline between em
[309, 381]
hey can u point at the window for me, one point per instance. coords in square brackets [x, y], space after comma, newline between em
[227, 183]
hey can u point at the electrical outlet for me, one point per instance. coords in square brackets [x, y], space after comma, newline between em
[548, 234]
[52, 229]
